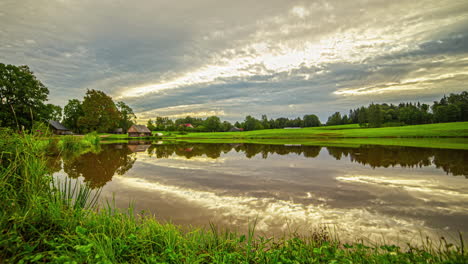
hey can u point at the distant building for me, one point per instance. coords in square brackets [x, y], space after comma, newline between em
[118, 131]
[139, 131]
[236, 129]
[58, 128]
[187, 125]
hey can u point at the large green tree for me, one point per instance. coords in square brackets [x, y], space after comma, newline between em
[311, 121]
[127, 117]
[22, 97]
[71, 114]
[99, 112]
[53, 112]
[213, 124]
[375, 115]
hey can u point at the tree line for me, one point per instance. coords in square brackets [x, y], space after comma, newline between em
[452, 108]
[214, 123]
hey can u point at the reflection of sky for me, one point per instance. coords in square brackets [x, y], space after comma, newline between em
[291, 190]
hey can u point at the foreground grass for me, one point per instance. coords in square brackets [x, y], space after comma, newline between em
[60, 224]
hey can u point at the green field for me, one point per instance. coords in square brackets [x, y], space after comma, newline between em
[458, 129]
[444, 135]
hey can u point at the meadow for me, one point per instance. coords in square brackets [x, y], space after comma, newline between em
[442, 135]
[43, 220]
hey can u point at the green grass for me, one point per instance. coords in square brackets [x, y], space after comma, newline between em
[458, 129]
[42, 220]
[444, 135]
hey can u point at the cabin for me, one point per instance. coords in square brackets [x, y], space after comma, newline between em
[236, 129]
[58, 129]
[139, 131]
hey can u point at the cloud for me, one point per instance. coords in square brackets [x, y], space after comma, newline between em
[160, 54]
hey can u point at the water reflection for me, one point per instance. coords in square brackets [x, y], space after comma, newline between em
[97, 168]
[116, 159]
[450, 161]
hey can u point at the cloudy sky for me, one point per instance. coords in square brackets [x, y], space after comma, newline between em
[233, 58]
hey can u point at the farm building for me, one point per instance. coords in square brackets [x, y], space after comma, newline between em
[187, 125]
[236, 129]
[58, 128]
[139, 131]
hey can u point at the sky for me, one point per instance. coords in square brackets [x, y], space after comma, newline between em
[237, 58]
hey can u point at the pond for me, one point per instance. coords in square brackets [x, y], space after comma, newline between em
[391, 194]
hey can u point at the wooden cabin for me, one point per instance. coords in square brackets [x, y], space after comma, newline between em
[139, 131]
[58, 128]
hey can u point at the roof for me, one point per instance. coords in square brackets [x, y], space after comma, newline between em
[57, 125]
[139, 129]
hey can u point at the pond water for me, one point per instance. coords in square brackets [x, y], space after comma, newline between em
[399, 194]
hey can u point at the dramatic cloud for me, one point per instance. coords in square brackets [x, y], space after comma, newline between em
[280, 58]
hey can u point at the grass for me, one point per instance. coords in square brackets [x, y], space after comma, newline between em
[443, 135]
[457, 129]
[45, 221]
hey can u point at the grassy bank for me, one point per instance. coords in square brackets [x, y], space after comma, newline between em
[444, 135]
[458, 129]
[45, 221]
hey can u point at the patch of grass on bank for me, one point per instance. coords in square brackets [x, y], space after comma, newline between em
[42, 221]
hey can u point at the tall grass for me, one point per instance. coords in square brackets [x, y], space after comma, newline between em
[77, 144]
[59, 222]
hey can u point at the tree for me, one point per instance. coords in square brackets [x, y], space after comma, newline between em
[226, 126]
[99, 112]
[251, 123]
[362, 117]
[22, 97]
[212, 124]
[375, 115]
[334, 119]
[265, 123]
[71, 113]
[53, 112]
[127, 117]
[150, 125]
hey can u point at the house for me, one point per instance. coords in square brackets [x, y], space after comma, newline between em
[236, 129]
[139, 131]
[187, 125]
[58, 128]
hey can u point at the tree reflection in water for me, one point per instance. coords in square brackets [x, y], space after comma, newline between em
[99, 168]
